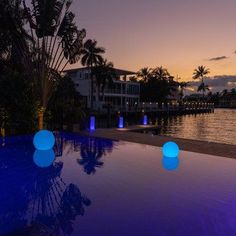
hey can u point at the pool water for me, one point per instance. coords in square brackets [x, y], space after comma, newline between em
[104, 187]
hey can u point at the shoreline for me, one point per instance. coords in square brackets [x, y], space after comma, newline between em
[203, 147]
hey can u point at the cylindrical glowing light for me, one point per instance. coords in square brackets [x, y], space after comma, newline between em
[92, 123]
[145, 120]
[44, 158]
[121, 122]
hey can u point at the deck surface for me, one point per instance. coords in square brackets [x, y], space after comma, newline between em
[211, 148]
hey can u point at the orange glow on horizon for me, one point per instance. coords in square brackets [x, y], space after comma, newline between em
[138, 34]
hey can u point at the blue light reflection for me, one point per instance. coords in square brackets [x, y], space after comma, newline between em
[170, 164]
[44, 158]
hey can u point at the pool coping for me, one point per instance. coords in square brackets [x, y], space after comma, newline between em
[203, 147]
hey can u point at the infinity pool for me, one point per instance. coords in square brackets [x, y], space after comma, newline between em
[104, 187]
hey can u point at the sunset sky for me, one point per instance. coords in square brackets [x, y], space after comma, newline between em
[179, 35]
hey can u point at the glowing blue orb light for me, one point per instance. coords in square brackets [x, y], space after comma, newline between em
[92, 123]
[121, 122]
[145, 120]
[44, 158]
[170, 164]
[170, 149]
[44, 140]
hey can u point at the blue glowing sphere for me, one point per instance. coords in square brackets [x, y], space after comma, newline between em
[44, 158]
[170, 164]
[44, 140]
[170, 149]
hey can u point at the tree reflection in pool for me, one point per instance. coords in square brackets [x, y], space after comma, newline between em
[37, 201]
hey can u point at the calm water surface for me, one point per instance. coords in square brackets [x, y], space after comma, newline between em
[215, 127]
[98, 187]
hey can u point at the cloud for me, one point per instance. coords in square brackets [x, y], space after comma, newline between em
[217, 83]
[218, 58]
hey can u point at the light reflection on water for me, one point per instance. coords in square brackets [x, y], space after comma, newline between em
[104, 187]
[214, 127]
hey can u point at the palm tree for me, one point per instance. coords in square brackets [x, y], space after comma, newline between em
[46, 38]
[182, 87]
[104, 73]
[133, 79]
[145, 74]
[91, 57]
[233, 92]
[200, 73]
[166, 80]
[161, 73]
[92, 151]
[203, 87]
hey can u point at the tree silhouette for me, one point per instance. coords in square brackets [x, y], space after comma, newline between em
[91, 56]
[161, 73]
[104, 74]
[33, 196]
[145, 74]
[157, 85]
[200, 73]
[92, 151]
[46, 38]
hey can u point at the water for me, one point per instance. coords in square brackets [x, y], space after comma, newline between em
[211, 127]
[102, 187]
[214, 127]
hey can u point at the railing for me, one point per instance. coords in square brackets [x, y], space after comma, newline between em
[155, 107]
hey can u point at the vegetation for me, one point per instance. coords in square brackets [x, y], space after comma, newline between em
[104, 73]
[64, 106]
[37, 41]
[182, 87]
[200, 73]
[145, 74]
[157, 85]
[224, 98]
[17, 102]
[91, 57]
[43, 40]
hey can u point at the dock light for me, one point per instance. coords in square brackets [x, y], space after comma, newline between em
[145, 120]
[170, 149]
[170, 164]
[44, 158]
[121, 122]
[44, 140]
[92, 123]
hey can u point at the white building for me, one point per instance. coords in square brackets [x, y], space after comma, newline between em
[121, 95]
